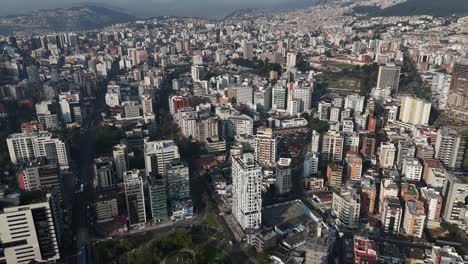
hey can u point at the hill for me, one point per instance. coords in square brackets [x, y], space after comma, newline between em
[419, 7]
[79, 18]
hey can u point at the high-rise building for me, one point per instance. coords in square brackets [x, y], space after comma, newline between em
[364, 250]
[283, 175]
[158, 154]
[303, 95]
[355, 102]
[440, 89]
[445, 255]
[450, 147]
[433, 206]
[414, 111]
[414, 219]
[387, 155]
[278, 98]
[391, 215]
[388, 188]
[41, 174]
[368, 144]
[47, 114]
[158, 199]
[265, 147]
[178, 102]
[458, 95]
[26, 147]
[332, 146]
[353, 166]
[146, 103]
[32, 230]
[120, 154]
[247, 50]
[177, 180]
[346, 207]
[412, 169]
[246, 191]
[134, 197]
[197, 71]
[389, 77]
[311, 163]
[334, 174]
[455, 193]
[315, 142]
[104, 173]
[368, 195]
[406, 149]
[291, 59]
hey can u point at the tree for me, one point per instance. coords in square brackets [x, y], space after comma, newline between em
[319, 125]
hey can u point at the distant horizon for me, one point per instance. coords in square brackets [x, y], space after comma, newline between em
[151, 8]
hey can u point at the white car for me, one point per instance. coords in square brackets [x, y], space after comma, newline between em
[231, 243]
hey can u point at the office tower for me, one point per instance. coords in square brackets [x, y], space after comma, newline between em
[283, 175]
[455, 193]
[388, 188]
[414, 219]
[158, 154]
[303, 95]
[389, 77]
[450, 147]
[177, 180]
[120, 154]
[334, 174]
[197, 71]
[104, 173]
[25, 147]
[47, 115]
[245, 95]
[387, 155]
[146, 103]
[414, 111]
[32, 230]
[445, 255]
[355, 102]
[158, 199]
[353, 166]
[40, 174]
[247, 50]
[458, 95]
[440, 89]
[368, 195]
[291, 59]
[433, 206]
[332, 146]
[406, 149]
[134, 197]
[279, 94]
[246, 191]
[311, 163]
[346, 206]
[412, 169]
[265, 147]
[391, 215]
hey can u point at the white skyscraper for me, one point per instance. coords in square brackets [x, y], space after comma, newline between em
[158, 154]
[291, 59]
[355, 102]
[25, 147]
[246, 191]
[146, 103]
[315, 142]
[387, 155]
[332, 146]
[120, 154]
[346, 207]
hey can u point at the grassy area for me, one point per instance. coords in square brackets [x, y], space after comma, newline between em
[179, 258]
[210, 215]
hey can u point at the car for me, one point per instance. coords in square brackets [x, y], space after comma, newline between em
[231, 243]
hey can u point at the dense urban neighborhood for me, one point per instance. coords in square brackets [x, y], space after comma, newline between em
[313, 135]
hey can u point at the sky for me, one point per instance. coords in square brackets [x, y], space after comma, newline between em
[146, 8]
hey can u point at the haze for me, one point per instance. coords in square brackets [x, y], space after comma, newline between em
[145, 8]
